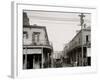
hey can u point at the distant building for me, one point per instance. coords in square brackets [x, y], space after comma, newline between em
[57, 54]
[58, 58]
[37, 50]
[73, 49]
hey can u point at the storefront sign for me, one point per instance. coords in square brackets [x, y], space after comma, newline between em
[32, 51]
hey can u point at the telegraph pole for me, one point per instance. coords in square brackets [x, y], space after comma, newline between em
[82, 24]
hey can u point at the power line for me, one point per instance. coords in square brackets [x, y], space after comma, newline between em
[58, 19]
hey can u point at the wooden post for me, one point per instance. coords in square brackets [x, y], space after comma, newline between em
[52, 59]
[76, 53]
[42, 58]
[26, 58]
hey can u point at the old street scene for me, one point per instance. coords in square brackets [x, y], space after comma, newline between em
[56, 39]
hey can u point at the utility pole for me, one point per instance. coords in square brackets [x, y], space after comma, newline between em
[82, 24]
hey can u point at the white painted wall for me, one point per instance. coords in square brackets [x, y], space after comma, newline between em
[88, 52]
[42, 38]
[5, 39]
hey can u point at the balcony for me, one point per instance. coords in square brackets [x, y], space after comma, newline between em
[87, 44]
[73, 45]
[41, 43]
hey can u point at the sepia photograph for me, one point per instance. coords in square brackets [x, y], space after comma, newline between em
[56, 39]
[52, 40]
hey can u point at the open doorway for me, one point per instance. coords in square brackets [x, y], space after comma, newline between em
[33, 61]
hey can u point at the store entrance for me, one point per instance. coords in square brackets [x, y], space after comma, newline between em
[33, 61]
[37, 61]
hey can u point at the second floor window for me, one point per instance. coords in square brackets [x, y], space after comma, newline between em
[25, 35]
[36, 37]
[87, 38]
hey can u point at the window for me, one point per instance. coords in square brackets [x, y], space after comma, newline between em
[79, 40]
[87, 38]
[36, 37]
[25, 35]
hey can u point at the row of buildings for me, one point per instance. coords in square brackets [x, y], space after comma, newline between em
[38, 50]
[78, 50]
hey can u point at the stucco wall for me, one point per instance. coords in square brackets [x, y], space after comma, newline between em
[42, 37]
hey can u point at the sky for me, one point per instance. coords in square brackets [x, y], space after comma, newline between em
[61, 27]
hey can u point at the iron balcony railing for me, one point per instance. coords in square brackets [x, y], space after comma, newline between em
[39, 43]
[71, 46]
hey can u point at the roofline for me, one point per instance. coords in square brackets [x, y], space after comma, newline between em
[33, 26]
[78, 33]
[36, 26]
